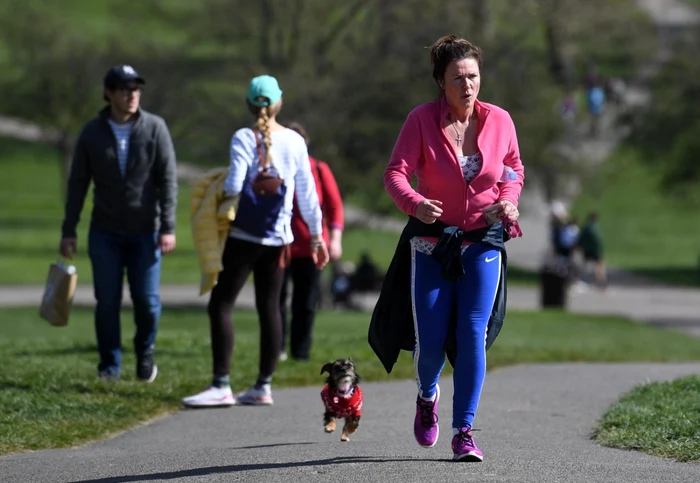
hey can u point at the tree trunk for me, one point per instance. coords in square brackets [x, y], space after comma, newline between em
[557, 63]
[481, 21]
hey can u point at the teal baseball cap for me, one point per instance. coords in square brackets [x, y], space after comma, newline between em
[265, 87]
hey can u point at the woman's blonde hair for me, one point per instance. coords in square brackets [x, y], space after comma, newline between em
[262, 122]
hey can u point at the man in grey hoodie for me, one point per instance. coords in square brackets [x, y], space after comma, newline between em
[128, 154]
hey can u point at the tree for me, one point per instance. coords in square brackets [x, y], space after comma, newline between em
[667, 130]
[55, 70]
[350, 71]
[51, 74]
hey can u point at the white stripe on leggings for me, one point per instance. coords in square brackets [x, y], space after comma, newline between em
[416, 354]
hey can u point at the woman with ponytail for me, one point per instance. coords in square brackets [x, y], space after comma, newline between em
[269, 164]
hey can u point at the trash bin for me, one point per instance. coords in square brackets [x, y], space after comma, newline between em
[554, 281]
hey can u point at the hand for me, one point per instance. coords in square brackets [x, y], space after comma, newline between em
[428, 211]
[335, 247]
[69, 246]
[319, 253]
[501, 211]
[166, 242]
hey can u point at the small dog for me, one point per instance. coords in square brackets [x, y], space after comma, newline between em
[342, 397]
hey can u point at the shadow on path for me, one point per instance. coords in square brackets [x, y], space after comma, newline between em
[213, 470]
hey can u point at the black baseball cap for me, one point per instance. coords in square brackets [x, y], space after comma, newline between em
[120, 75]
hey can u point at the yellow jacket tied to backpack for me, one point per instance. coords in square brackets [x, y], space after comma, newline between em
[210, 217]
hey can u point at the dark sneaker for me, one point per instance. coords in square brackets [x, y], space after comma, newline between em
[464, 447]
[425, 425]
[146, 369]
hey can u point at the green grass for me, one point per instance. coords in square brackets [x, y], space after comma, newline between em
[644, 228]
[50, 396]
[661, 419]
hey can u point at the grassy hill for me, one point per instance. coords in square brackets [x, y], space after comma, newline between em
[646, 229]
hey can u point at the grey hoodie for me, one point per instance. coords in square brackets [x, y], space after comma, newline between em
[141, 202]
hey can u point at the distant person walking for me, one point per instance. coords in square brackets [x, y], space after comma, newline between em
[568, 108]
[590, 243]
[128, 155]
[596, 104]
[302, 271]
[565, 236]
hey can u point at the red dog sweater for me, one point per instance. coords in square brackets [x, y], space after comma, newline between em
[342, 406]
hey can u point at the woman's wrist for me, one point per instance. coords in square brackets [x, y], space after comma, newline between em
[317, 241]
[335, 235]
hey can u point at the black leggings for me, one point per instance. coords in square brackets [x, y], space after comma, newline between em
[239, 259]
[306, 279]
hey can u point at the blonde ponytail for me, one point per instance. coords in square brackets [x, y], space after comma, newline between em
[263, 122]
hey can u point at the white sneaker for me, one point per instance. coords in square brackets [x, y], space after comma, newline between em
[210, 398]
[256, 397]
[283, 356]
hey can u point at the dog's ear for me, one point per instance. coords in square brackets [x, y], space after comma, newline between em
[327, 367]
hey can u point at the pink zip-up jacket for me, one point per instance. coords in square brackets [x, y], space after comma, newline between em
[422, 149]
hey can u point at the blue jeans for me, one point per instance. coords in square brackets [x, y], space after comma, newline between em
[111, 254]
[470, 301]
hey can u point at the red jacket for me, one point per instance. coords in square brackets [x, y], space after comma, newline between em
[331, 205]
[342, 407]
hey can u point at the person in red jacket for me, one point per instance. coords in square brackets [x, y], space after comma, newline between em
[301, 270]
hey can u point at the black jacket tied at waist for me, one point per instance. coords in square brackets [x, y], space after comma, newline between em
[391, 328]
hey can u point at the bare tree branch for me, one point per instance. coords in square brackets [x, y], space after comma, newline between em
[267, 18]
[296, 31]
[336, 31]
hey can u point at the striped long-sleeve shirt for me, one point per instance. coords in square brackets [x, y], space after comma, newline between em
[291, 159]
[122, 133]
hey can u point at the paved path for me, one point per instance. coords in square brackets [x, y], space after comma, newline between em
[535, 422]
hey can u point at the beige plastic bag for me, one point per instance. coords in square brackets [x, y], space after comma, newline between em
[58, 294]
